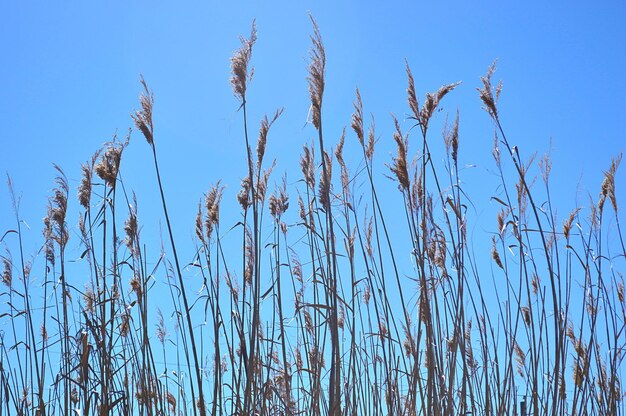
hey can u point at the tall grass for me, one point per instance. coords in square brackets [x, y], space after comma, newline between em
[319, 312]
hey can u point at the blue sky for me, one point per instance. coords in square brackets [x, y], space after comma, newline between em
[70, 80]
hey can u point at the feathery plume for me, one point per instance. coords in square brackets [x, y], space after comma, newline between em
[263, 130]
[212, 205]
[325, 181]
[345, 178]
[494, 253]
[608, 185]
[108, 167]
[84, 189]
[432, 102]
[357, 118]
[239, 64]
[371, 139]
[307, 164]
[279, 203]
[567, 225]
[317, 66]
[131, 226]
[486, 93]
[161, 331]
[410, 90]
[7, 272]
[143, 117]
[451, 138]
[399, 165]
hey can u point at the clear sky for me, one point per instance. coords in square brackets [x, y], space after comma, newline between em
[69, 79]
[70, 71]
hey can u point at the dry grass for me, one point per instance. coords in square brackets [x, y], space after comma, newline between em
[316, 313]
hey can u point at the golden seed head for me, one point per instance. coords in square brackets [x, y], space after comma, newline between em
[239, 64]
[495, 255]
[399, 165]
[161, 331]
[263, 130]
[315, 78]
[486, 93]
[307, 164]
[7, 272]
[608, 185]
[108, 167]
[325, 182]
[357, 118]
[412, 97]
[212, 205]
[243, 197]
[143, 117]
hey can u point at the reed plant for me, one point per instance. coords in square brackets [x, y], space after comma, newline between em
[332, 301]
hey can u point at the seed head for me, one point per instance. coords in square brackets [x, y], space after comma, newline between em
[412, 97]
[317, 56]
[108, 167]
[608, 185]
[357, 118]
[307, 165]
[239, 64]
[7, 272]
[325, 181]
[399, 165]
[262, 140]
[143, 117]
[212, 205]
[486, 93]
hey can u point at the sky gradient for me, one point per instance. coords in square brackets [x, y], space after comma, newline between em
[71, 79]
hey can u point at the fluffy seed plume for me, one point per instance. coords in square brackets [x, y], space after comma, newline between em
[263, 130]
[131, 227]
[357, 118]
[307, 165]
[567, 225]
[399, 165]
[279, 202]
[84, 189]
[432, 102]
[200, 224]
[161, 330]
[89, 299]
[54, 223]
[412, 97]
[249, 257]
[143, 117]
[212, 205]
[7, 272]
[243, 197]
[137, 287]
[486, 93]
[345, 177]
[325, 182]
[239, 65]
[451, 138]
[124, 325]
[608, 185]
[171, 402]
[520, 358]
[109, 165]
[495, 255]
[371, 139]
[261, 186]
[317, 66]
